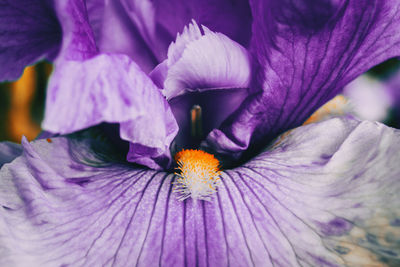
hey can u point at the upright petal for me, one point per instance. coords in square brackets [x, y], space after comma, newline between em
[128, 28]
[201, 60]
[144, 29]
[324, 195]
[29, 31]
[88, 88]
[203, 68]
[329, 195]
[307, 51]
[232, 18]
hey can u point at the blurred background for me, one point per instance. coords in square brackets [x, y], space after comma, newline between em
[373, 96]
[22, 103]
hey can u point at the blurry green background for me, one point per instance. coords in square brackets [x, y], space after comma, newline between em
[22, 102]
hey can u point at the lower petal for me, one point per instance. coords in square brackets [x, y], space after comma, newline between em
[326, 194]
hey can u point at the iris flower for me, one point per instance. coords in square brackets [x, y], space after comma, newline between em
[135, 82]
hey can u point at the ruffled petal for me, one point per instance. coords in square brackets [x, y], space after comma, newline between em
[329, 193]
[307, 51]
[8, 152]
[326, 194]
[88, 88]
[29, 32]
[200, 61]
[128, 28]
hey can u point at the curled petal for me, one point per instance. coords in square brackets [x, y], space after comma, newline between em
[198, 62]
[307, 51]
[29, 32]
[325, 194]
[88, 88]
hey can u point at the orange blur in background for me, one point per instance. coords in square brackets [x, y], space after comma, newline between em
[22, 103]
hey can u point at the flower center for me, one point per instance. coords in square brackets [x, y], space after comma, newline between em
[197, 174]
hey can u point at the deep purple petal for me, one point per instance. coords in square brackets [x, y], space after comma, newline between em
[307, 51]
[324, 195]
[29, 31]
[8, 152]
[232, 18]
[88, 88]
[95, 10]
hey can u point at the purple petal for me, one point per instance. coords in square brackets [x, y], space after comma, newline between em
[232, 18]
[8, 152]
[324, 195]
[144, 29]
[207, 69]
[129, 29]
[29, 32]
[95, 10]
[111, 88]
[88, 88]
[307, 51]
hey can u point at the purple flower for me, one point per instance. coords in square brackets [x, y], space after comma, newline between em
[225, 76]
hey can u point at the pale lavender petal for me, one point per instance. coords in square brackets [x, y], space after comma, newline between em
[29, 32]
[88, 88]
[198, 62]
[330, 191]
[307, 51]
[8, 152]
[110, 88]
[324, 195]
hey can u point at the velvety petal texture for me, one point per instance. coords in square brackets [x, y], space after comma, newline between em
[233, 18]
[307, 51]
[325, 194]
[88, 88]
[29, 31]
